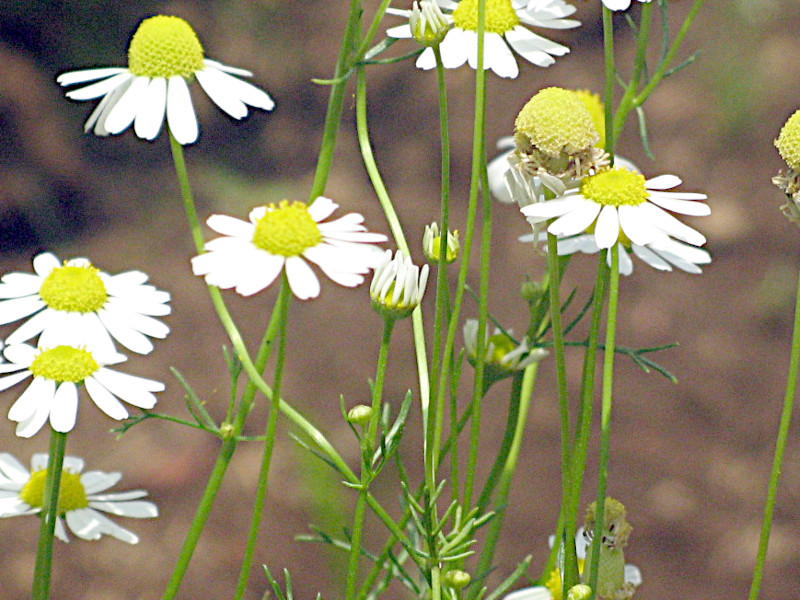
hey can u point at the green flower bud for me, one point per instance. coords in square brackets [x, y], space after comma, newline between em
[360, 415]
[457, 579]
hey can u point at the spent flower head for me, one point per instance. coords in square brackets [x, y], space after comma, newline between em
[286, 237]
[57, 373]
[788, 144]
[504, 31]
[612, 582]
[164, 57]
[432, 244]
[76, 303]
[398, 286]
[81, 498]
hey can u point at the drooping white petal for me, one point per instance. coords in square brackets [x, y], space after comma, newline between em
[264, 269]
[181, 118]
[19, 308]
[105, 400]
[83, 523]
[40, 391]
[124, 112]
[575, 221]
[134, 510]
[456, 47]
[606, 230]
[302, 280]
[427, 60]
[101, 88]
[31, 425]
[234, 90]
[133, 390]
[651, 258]
[496, 56]
[82, 76]
[534, 48]
[64, 412]
[150, 116]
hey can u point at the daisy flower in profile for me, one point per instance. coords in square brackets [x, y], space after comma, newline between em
[76, 302]
[503, 355]
[619, 205]
[504, 32]
[164, 57]
[286, 237]
[57, 373]
[82, 498]
[619, 4]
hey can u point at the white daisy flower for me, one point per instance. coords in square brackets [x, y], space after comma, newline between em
[553, 590]
[53, 393]
[250, 256]
[164, 56]
[76, 303]
[398, 285]
[504, 32]
[81, 498]
[619, 205]
[619, 4]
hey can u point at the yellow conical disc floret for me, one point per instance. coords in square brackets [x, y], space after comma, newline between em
[71, 494]
[788, 142]
[556, 121]
[615, 187]
[287, 229]
[500, 16]
[165, 46]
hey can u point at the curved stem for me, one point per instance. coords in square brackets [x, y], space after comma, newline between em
[52, 487]
[284, 300]
[780, 446]
[605, 415]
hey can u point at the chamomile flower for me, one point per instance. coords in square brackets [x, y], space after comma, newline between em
[504, 32]
[432, 244]
[503, 356]
[76, 302]
[398, 286]
[164, 57]
[287, 236]
[57, 374]
[619, 4]
[82, 498]
[619, 205]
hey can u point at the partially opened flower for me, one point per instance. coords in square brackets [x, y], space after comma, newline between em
[164, 57]
[620, 205]
[82, 498]
[504, 32]
[287, 236]
[398, 286]
[57, 375]
[77, 303]
[432, 244]
[619, 4]
[503, 356]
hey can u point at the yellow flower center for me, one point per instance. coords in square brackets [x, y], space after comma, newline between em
[502, 346]
[71, 495]
[553, 582]
[596, 109]
[165, 46]
[74, 289]
[556, 120]
[615, 187]
[64, 363]
[788, 142]
[287, 229]
[500, 16]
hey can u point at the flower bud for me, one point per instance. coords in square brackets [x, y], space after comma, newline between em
[359, 415]
[457, 579]
[397, 286]
[427, 22]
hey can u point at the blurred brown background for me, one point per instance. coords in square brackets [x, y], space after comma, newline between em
[690, 461]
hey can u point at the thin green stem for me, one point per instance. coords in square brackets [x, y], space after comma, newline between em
[780, 446]
[284, 300]
[608, 53]
[368, 442]
[52, 487]
[441, 315]
[333, 115]
[605, 414]
[524, 393]
[554, 273]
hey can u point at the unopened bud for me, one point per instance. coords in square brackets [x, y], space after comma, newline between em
[457, 579]
[360, 414]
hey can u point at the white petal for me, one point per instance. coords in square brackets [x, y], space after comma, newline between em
[227, 69]
[637, 225]
[231, 226]
[30, 328]
[633, 575]
[105, 400]
[322, 208]
[302, 280]
[672, 226]
[32, 424]
[534, 48]
[64, 412]
[456, 47]
[73, 77]
[233, 92]
[683, 206]
[181, 118]
[651, 258]
[574, 222]
[543, 211]
[84, 524]
[399, 32]
[426, 60]
[663, 182]
[262, 272]
[134, 510]
[40, 391]
[13, 469]
[101, 88]
[497, 57]
[617, 4]
[538, 592]
[150, 116]
[133, 390]
[19, 308]
[606, 230]
[98, 481]
[124, 112]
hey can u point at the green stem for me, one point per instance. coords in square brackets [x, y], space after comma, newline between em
[780, 446]
[608, 53]
[284, 300]
[554, 273]
[524, 396]
[605, 414]
[662, 70]
[397, 233]
[333, 115]
[433, 440]
[44, 551]
[368, 441]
